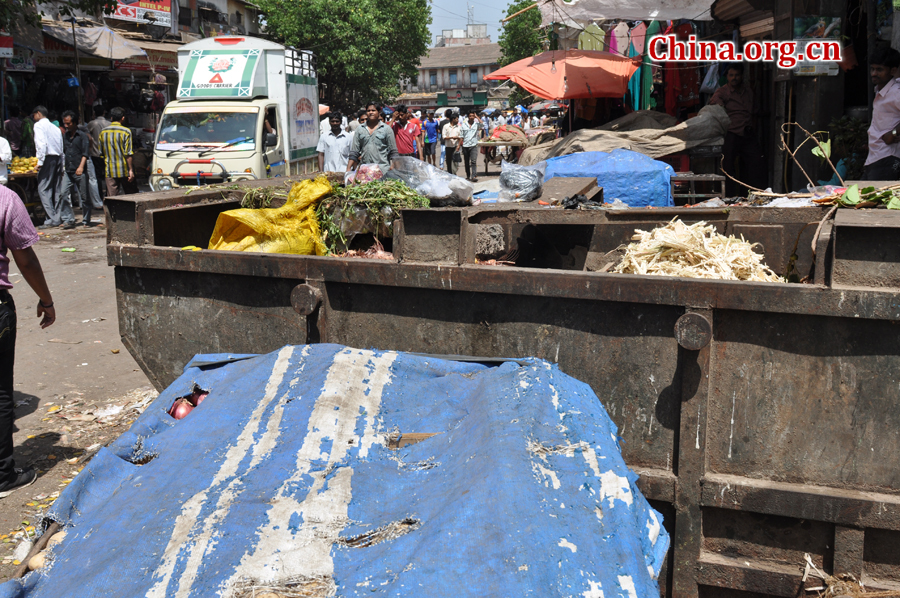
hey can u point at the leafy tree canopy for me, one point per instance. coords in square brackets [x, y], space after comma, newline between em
[363, 47]
[521, 37]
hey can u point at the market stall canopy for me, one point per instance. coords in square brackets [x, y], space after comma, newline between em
[570, 74]
[99, 41]
[579, 13]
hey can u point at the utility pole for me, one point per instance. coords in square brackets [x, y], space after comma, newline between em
[79, 91]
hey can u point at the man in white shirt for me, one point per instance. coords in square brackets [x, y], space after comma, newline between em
[48, 142]
[334, 146]
[5, 159]
[883, 161]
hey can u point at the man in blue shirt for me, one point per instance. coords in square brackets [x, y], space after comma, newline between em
[431, 138]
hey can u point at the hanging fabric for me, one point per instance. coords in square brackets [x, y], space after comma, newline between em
[636, 48]
[592, 38]
[620, 33]
[647, 69]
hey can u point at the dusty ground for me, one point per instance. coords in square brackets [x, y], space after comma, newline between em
[77, 388]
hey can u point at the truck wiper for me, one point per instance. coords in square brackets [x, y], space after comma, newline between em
[183, 149]
[229, 144]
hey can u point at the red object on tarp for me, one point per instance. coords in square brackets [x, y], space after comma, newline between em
[571, 74]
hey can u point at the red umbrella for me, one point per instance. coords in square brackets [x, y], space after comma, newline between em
[571, 74]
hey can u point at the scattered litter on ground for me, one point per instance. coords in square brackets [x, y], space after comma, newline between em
[61, 341]
[68, 250]
[693, 251]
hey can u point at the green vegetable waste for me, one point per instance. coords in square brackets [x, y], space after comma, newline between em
[870, 197]
[366, 208]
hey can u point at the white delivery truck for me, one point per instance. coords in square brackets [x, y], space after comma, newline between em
[246, 108]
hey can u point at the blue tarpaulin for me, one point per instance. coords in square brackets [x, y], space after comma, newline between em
[285, 477]
[631, 177]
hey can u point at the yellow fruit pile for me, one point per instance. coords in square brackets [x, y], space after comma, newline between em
[20, 165]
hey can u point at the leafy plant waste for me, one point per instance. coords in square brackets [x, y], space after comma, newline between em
[367, 208]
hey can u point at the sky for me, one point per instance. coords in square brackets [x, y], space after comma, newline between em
[451, 14]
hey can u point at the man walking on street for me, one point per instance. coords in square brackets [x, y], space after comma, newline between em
[334, 146]
[471, 130]
[94, 128]
[18, 235]
[408, 135]
[77, 150]
[373, 143]
[883, 161]
[430, 128]
[740, 140]
[452, 142]
[48, 143]
[115, 145]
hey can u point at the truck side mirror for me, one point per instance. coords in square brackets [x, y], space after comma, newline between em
[271, 140]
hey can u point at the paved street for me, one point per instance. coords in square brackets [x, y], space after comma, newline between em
[75, 382]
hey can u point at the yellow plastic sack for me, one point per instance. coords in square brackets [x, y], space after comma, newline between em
[292, 228]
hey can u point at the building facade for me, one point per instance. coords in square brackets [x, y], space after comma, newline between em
[452, 73]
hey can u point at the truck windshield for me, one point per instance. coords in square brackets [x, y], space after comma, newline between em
[199, 128]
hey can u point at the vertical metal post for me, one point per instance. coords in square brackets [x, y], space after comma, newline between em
[79, 91]
[871, 29]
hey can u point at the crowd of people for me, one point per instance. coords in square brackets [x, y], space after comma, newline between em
[379, 136]
[70, 156]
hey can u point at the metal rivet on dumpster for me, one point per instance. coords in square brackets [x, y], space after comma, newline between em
[305, 299]
[693, 331]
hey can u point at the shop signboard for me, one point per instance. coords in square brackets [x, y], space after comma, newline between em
[814, 29]
[22, 61]
[303, 115]
[58, 55]
[6, 45]
[157, 12]
[156, 60]
[220, 74]
[462, 97]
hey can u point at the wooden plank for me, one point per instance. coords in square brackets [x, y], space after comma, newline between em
[851, 508]
[559, 187]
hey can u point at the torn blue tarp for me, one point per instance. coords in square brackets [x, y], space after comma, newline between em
[285, 477]
[633, 178]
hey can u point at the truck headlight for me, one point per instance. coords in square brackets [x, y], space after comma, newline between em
[164, 184]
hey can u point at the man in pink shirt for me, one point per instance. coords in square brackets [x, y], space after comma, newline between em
[407, 134]
[17, 235]
[883, 161]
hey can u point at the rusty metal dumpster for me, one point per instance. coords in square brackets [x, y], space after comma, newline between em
[762, 418]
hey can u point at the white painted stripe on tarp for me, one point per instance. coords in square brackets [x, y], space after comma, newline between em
[353, 387]
[187, 521]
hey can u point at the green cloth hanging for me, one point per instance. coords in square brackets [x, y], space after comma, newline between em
[646, 70]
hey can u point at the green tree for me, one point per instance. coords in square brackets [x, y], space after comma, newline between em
[12, 11]
[521, 37]
[363, 48]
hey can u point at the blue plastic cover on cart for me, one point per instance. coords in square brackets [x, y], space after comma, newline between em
[296, 472]
[633, 178]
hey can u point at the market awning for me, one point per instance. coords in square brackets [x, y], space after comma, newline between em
[561, 74]
[99, 41]
[159, 57]
[578, 13]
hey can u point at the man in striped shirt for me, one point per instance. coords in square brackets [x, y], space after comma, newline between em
[115, 145]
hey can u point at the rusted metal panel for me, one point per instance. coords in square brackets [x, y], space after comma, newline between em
[170, 320]
[763, 426]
